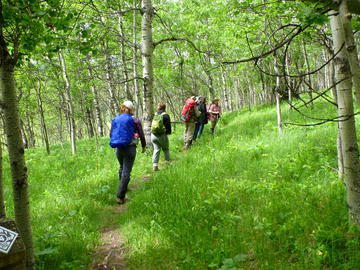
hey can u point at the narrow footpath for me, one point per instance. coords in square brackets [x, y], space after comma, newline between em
[110, 254]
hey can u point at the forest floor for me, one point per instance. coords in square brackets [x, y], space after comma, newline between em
[110, 254]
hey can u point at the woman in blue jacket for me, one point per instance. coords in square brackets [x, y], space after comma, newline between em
[125, 129]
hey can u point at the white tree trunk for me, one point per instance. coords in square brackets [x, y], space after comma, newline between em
[347, 128]
[308, 69]
[147, 49]
[99, 123]
[135, 64]
[123, 59]
[277, 96]
[351, 47]
[69, 103]
[225, 91]
[114, 104]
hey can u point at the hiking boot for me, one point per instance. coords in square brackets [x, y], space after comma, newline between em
[155, 168]
[121, 200]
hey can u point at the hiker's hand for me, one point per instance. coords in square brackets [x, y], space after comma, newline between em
[143, 150]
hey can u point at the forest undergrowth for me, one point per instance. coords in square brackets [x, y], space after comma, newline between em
[247, 198]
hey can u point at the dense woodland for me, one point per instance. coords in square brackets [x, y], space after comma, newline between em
[67, 65]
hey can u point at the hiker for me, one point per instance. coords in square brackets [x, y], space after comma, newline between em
[124, 135]
[215, 112]
[202, 119]
[160, 129]
[189, 115]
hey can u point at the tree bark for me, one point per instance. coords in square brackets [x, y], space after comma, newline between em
[23, 135]
[110, 82]
[277, 97]
[239, 98]
[308, 69]
[147, 48]
[16, 155]
[135, 64]
[225, 91]
[123, 59]
[42, 119]
[99, 122]
[210, 84]
[347, 128]
[351, 47]
[69, 104]
[2, 198]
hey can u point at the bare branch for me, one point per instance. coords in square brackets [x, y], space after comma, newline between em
[177, 39]
[280, 45]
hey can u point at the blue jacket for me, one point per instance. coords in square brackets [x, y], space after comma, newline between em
[122, 130]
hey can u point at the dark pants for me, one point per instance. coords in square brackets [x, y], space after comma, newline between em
[198, 130]
[126, 157]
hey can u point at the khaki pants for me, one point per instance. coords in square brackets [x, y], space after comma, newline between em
[189, 132]
[160, 143]
[214, 121]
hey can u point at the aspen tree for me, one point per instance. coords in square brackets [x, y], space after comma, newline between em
[347, 130]
[147, 49]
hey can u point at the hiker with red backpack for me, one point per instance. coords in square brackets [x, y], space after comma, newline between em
[124, 133]
[160, 129]
[189, 115]
[215, 112]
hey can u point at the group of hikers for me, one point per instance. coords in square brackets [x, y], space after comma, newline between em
[126, 132]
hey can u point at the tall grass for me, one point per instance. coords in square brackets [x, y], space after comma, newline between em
[247, 198]
[70, 198]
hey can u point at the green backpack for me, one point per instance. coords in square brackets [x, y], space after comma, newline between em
[157, 124]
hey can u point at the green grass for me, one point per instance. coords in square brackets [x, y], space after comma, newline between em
[247, 198]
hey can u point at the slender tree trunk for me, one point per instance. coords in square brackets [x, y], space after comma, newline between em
[147, 48]
[238, 101]
[289, 86]
[123, 59]
[210, 84]
[351, 47]
[42, 119]
[308, 69]
[277, 96]
[60, 122]
[89, 120]
[29, 128]
[99, 123]
[347, 121]
[16, 156]
[138, 105]
[23, 135]
[225, 91]
[110, 82]
[2, 198]
[69, 103]
[332, 81]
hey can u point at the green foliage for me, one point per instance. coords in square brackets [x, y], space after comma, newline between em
[31, 25]
[311, 14]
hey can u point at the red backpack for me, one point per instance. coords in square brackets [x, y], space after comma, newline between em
[188, 110]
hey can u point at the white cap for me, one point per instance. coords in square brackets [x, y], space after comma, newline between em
[129, 104]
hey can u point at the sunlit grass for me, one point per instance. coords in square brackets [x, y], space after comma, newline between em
[247, 198]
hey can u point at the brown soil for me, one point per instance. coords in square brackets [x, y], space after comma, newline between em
[110, 254]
